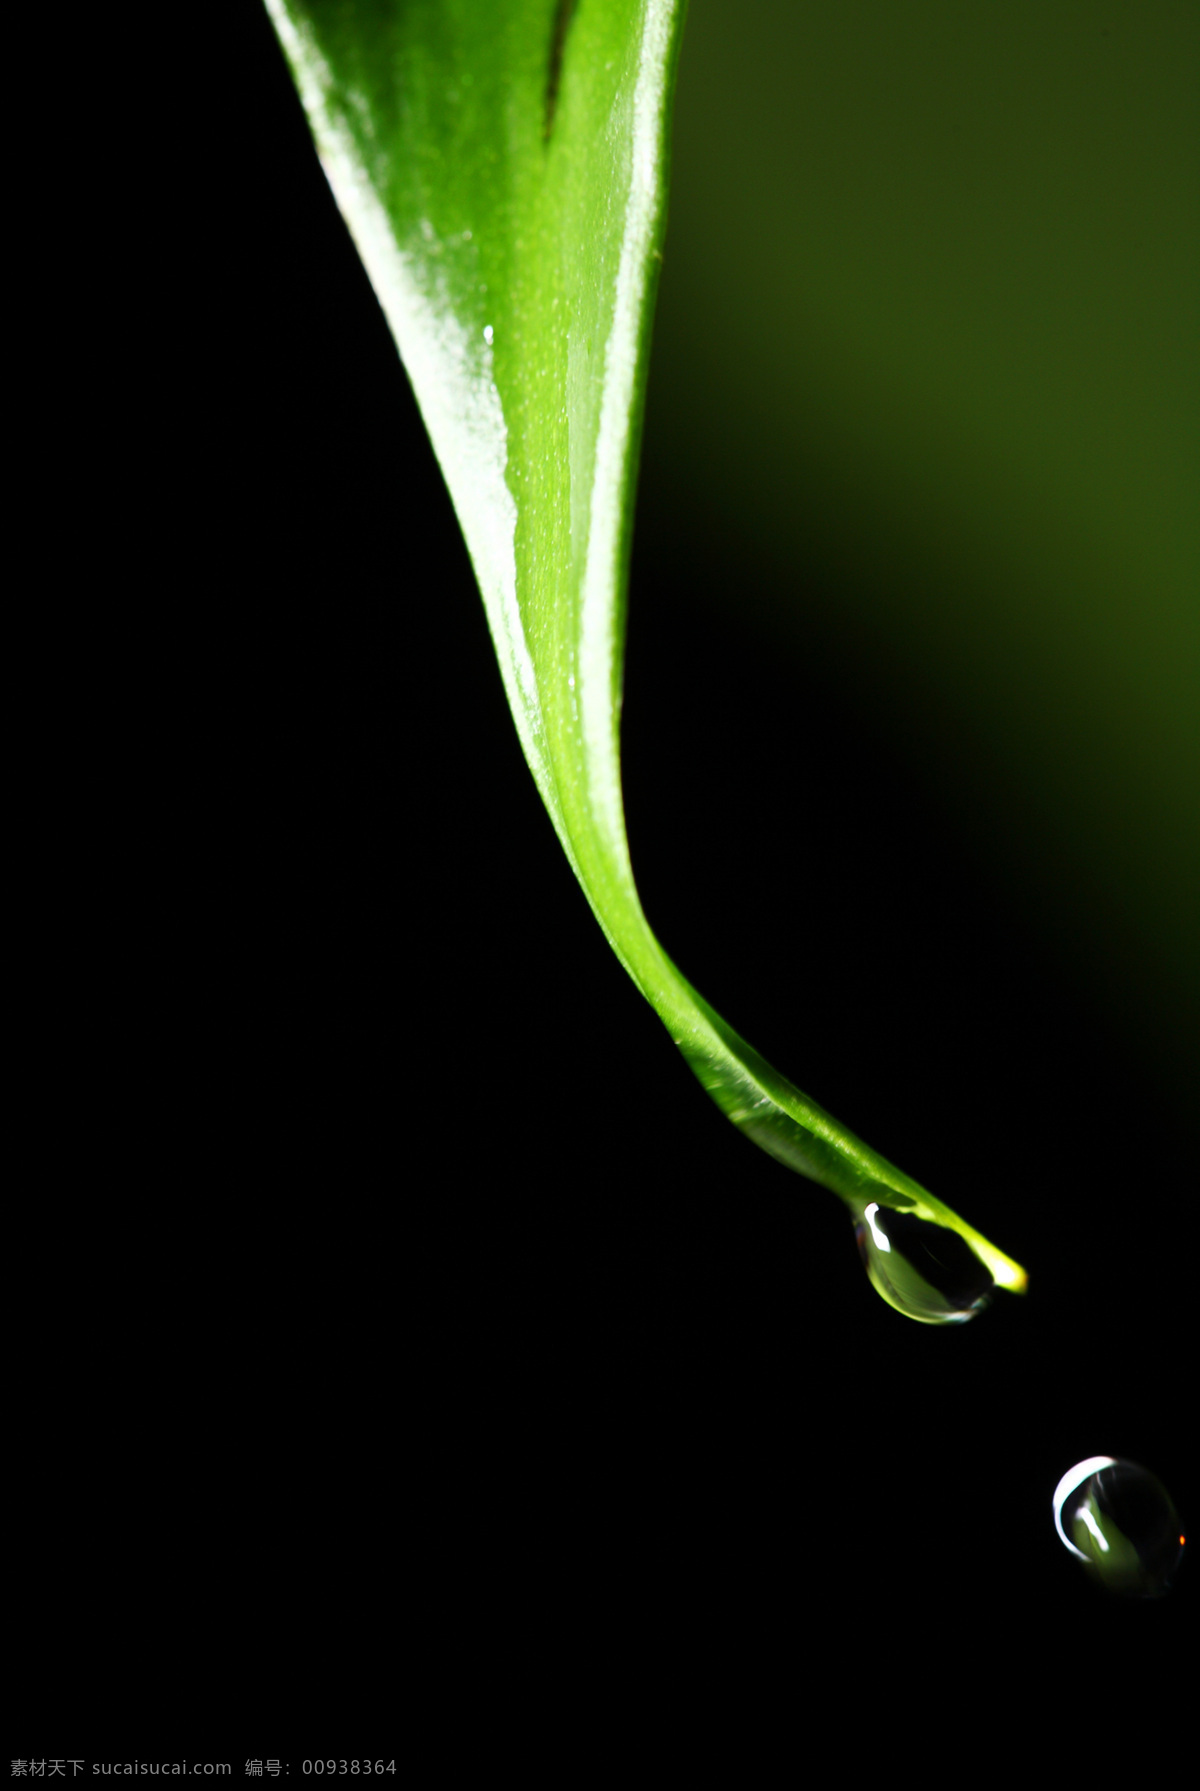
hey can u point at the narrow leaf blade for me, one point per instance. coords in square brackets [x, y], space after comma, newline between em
[503, 171]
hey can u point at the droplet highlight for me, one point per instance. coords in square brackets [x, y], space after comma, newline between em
[1118, 1519]
[926, 1271]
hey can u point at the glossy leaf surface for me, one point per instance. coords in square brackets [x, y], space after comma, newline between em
[503, 171]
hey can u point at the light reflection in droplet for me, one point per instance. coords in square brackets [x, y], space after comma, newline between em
[878, 1233]
[1071, 1479]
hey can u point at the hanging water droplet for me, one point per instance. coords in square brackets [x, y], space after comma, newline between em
[1120, 1522]
[926, 1271]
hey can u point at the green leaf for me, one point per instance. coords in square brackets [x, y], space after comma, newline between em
[503, 171]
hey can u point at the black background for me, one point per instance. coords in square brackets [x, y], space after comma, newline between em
[388, 1286]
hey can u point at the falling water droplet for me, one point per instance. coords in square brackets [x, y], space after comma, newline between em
[1120, 1522]
[926, 1271]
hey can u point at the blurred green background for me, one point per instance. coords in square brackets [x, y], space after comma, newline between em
[925, 378]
